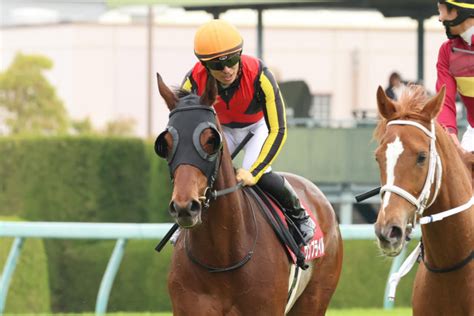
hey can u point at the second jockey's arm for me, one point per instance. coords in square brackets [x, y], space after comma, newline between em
[447, 116]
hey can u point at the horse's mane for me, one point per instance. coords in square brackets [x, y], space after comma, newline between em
[410, 104]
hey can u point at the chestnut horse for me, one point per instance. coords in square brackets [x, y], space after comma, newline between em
[425, 181]
[227, 259]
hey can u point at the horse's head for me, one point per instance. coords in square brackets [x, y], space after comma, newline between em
[407, 159]
[192, 146]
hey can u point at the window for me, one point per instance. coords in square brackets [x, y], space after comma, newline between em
[321, 107]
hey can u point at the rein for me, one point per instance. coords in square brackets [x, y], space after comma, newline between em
[234, 266]
[210, 194]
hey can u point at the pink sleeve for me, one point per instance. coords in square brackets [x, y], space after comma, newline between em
[447, 116]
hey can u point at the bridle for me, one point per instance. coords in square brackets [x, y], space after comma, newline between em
[434, 175]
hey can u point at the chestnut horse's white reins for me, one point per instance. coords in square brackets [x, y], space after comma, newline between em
[435, 171]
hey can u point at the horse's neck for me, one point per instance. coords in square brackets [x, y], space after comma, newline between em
[452, 238]
[225, 232]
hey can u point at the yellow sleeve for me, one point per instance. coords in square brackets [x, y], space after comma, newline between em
[274, 111]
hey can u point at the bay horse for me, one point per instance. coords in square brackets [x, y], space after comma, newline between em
[425, 181]
[227, 259]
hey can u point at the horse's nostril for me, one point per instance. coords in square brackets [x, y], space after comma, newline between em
[395, 233]
[172, 208]
[195, 206]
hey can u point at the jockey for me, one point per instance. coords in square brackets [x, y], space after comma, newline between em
[248, 100]
[455, 67]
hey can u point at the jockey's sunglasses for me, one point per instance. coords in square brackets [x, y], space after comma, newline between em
[222, 62]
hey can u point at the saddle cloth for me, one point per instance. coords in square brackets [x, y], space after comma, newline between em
[314, 248]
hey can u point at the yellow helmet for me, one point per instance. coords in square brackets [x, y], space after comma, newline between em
[215, 39]
[465, 9]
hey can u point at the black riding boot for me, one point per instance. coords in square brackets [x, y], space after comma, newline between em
[281, 189]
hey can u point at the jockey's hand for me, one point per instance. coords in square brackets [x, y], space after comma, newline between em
[246, 177]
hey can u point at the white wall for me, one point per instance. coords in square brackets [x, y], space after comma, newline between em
[100, 70]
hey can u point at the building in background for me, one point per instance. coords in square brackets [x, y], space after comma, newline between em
[100, 69]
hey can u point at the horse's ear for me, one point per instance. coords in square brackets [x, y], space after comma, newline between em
[386, 106]
[170, 98]
[210, 93]
[433, 107]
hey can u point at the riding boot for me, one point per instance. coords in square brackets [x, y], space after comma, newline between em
[281, 189]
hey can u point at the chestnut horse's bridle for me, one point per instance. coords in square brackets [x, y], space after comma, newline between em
[434, 175]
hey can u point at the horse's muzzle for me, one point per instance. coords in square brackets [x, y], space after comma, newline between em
[390, 239]
[186, 215]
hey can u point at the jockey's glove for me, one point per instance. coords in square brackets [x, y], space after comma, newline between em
[246, 177]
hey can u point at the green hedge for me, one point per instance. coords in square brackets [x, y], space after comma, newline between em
[88, 179]
[140, 284]
[29, 287]
[81, 179]
[159, 188]
[364, 275]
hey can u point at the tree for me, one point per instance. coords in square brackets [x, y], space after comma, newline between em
[83, 127]
[28, 102]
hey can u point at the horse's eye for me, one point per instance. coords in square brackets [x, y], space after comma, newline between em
[421, 158]
[211, 141]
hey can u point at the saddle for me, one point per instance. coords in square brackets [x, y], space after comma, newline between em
[286, 230]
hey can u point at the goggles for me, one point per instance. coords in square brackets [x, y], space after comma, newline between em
[222, 62]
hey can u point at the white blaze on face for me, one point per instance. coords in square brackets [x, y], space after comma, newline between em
[394, 150]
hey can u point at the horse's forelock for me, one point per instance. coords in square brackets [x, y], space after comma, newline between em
[413, 99]
[181, 93]
[187, 98]
[411, 102]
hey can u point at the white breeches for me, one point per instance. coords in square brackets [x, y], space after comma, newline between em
[234, 137]
[467, 141]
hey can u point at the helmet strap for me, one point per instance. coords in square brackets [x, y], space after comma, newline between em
[463, 15]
